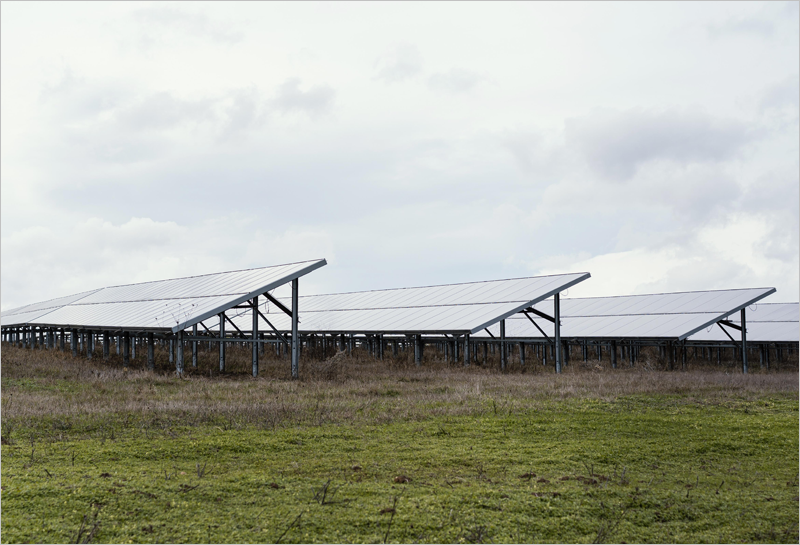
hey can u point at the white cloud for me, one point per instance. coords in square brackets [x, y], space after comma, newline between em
[235, 147]
[455, 81]
[399, 64]
[40, 263]
[315, 101]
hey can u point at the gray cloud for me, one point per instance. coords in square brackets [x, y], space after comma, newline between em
[456, 80]
[194, 24]
[784, 93]
[315, 101]
[399, 64]
[758, 27]
[162, 110]
[616, 144]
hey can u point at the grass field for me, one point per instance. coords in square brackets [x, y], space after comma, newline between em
[383, 451]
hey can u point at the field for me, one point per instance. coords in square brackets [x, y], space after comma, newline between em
[360, 450]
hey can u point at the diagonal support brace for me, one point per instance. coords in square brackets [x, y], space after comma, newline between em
[539, 328]
[279, 304]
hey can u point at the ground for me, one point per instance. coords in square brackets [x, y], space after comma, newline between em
[360, 450]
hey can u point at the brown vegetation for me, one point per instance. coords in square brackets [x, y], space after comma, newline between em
[53, 386]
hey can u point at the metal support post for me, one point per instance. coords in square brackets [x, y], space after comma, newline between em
[503, 351]
[295, 336]
[485, 352]
[194, 346]
[380, 346]
[73, 342]
[394, 348]
[151, 356]
[744, 342]
[255, 336]
[126, 349]
[418, 350]
[179, 359]
[171, 350]
[106, 345]
[221, 342]
[613, 354]
[522, 354]
[466, 350]
[133, 346]
[557, 328]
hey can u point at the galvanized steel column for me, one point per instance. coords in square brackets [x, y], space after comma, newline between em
[418, 349]
[106, 346]
[255, 336]
[172, 350]
[151, 357]
[503, 351]
[221, 342]
[744, 343]
[126, 349]
[466, 350]
[522, 354]
[133, 347]
[194, 346]
[179, 359]
[295, 336]
[557, 327]
[73, 342]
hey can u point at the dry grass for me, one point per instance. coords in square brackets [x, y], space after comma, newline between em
[51, 386]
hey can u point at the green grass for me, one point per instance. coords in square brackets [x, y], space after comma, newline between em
[633, 468]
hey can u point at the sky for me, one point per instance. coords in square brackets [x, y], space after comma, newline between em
[654, 145]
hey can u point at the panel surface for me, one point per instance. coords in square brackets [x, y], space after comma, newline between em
[664, 315]
[448, 308]
[165, 304]
[766, 322]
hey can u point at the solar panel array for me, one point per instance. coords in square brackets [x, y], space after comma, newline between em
[162, 305]
[459, 308]
[766, 322]
[666, 315]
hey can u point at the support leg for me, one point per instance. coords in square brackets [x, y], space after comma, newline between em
[255, 336]
[179, 358]
[557, 327]
[295, 339]
[126, 349]
[151, 356]
[613, 354]
[221, 342]
[503, 351]
[744, 342]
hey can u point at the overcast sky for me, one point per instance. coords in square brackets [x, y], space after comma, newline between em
[654, 145]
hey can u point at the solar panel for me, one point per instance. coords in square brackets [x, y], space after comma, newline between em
[456, 308]
[766, 322]
[30, 312]
[166, 304]
[665, 315]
